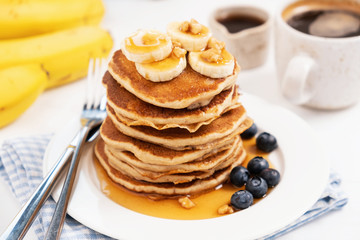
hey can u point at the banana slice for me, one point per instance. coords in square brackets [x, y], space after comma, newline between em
[146, 46]
[163, 70]
[212, 63]
[192, 35]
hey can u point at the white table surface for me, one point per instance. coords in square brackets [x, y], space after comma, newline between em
[339, 130]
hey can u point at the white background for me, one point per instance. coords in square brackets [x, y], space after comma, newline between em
[339, 131]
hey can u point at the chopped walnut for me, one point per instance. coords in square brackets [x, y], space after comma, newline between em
[193, 21]
[179, 52]
[186, 202]
[150, 38]
[185, 26]
[214, 43]
[176, 43]
[193, 26]
[225, 209]
[212, 55]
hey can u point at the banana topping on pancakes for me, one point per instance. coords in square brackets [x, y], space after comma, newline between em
[147, 46]
[161, 57]
[173, 128]
[214, 62]
[192, 35]
[166, 69]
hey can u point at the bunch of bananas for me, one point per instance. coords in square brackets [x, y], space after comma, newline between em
[45, 44]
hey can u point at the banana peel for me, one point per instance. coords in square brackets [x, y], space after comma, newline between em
[20, 86]
[22, 18]
[63, 54]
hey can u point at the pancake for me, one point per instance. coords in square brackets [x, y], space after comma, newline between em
[223, 128]
[173, 137]
[194, 187]
[224, 157]
[204, 163]
[188, 90]
[134, 112]
[152, 153]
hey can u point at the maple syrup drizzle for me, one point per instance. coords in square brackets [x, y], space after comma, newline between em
[144, 42]
[206, 204]
[227, 58]
[166, 64]
[203, 33]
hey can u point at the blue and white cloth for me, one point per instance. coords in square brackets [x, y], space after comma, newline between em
[21, 167]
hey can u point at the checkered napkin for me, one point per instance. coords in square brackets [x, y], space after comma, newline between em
[21, 168]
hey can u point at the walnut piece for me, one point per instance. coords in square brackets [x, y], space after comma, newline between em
[176, 43]
[225, 209]
[193, 27]
[185, 26]
[212, 55]
[186, 202]
[151, 38]
[179, 52]
[214, 43]
[213, 52]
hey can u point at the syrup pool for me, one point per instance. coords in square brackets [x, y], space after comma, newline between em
[206, 204]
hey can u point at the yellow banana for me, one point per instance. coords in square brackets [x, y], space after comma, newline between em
[190, 41]
[21, 18]
[63, 54]
[146, 46]
[19, 87]
[218, 69]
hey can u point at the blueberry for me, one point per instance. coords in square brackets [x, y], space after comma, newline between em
[257, 164]
[241, 199]
[250, 132]
[257, 186]
[266, 142]
[239, 176]
[271, 176]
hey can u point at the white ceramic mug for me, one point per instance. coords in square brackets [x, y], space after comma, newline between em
[316, 71]
[249, 46]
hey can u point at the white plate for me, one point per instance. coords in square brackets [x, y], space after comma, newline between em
[304, 173]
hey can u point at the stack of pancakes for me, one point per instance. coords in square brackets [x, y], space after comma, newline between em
[174, 138]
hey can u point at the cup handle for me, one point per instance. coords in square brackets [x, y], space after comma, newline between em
[293, 85]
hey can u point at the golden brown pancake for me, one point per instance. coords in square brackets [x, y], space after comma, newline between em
[134, 112]
[227, 126]
[225, 158]
[202, 164]
[194, 187]
[152, 153]
[174, 138]
[188, 90]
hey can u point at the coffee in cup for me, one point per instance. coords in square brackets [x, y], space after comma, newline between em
[235, 23]
[317, 45]
[245, 31]
[324, 19]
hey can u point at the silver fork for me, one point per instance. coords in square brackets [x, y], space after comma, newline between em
[23, 220]
[92, 115]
